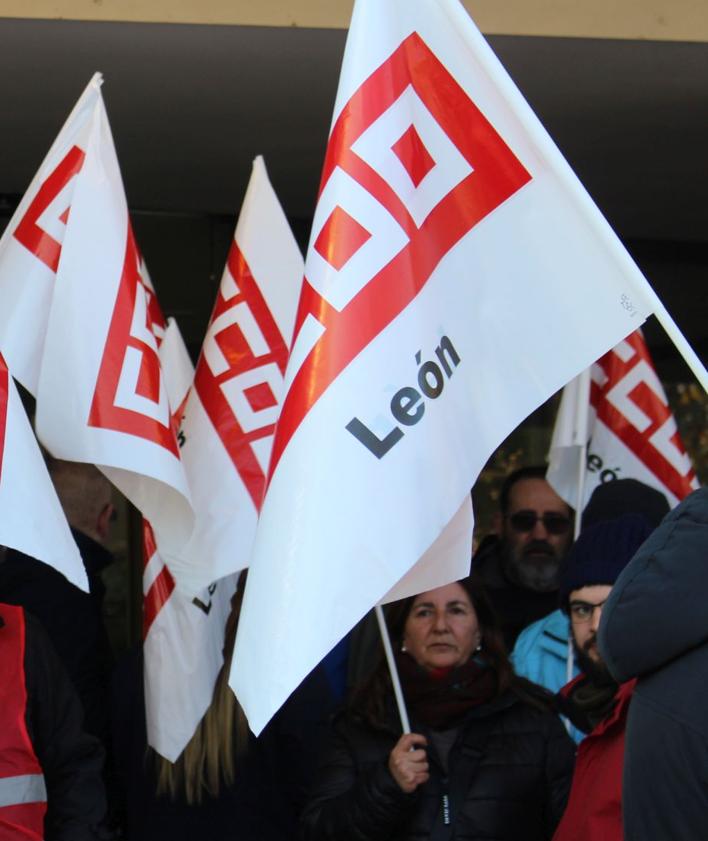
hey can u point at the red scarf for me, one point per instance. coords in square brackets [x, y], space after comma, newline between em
[440, 699]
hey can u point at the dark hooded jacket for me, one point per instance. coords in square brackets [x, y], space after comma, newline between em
[655, 628]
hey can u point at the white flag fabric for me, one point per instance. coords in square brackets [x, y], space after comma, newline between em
[229, 420]
[183, 636]
[177, 369]
[182, 651]
[101, 396]
[31, 243]
[226, 432]
[631, 431]
[31, 516]
[457, 276]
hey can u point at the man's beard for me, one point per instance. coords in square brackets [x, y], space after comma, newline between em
[596, 670]
[536, 567]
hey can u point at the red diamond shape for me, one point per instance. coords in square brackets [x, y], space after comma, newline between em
[260, 397]
[411, 152]
[498, 175]
[340, 238]
[233, 345]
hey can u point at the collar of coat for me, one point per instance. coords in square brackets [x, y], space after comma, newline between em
[618, 713]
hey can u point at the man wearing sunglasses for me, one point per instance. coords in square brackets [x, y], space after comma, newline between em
[520, 564]
[593, 701]
[543, 652]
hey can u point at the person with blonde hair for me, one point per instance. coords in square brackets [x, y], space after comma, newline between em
[226, 784]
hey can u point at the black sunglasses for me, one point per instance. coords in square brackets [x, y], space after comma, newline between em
[554, 523]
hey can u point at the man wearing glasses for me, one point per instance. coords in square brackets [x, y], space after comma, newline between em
[543, 652]
[519, 565]
[593, 701]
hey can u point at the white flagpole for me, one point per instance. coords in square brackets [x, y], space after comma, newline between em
[397, 690]
[582, 402]
[680, 341]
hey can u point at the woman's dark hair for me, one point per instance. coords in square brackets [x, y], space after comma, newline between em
[372, 699]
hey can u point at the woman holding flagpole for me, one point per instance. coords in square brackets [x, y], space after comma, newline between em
[487, 758]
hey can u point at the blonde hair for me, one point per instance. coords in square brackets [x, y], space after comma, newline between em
[209, 761]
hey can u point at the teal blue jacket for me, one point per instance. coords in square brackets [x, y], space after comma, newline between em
[541, 655]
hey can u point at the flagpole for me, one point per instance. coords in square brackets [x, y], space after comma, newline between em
[582, 402]
[680, 341]
[536, 131]
[395, 680]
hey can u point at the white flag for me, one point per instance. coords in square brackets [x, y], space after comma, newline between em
[183, 636]
[177, 368]
[226, 433]
[101, 396]
[183, 641]
[31, 244]
[229, 420]
[457, 276]
[31, 516]
[631, 431]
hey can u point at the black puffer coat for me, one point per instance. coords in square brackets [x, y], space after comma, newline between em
[655, 628]
[510, 773]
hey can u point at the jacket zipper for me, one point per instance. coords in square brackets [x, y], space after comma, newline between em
[447, 820]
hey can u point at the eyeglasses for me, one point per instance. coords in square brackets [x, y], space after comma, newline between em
[553, 522]
[582, 612]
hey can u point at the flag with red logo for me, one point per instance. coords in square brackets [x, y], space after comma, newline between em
[31, 244]
[226, 430]
[183, 639]
[101, 395]
[178, 371]
[455, 265]
[631, 431]
[31, 516]
[229, 420]
[183, 636]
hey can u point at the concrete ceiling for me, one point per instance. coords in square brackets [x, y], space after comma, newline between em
[190, 106]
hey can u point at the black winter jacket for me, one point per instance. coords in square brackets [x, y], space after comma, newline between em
[72, 619]
[515, 607]
[510, 772]
[655, 627]
[71, 759]
[266, 797]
